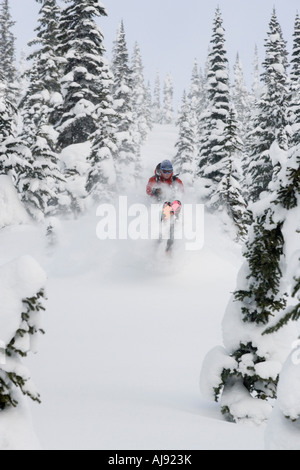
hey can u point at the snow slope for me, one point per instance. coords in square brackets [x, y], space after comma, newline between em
[127, 330]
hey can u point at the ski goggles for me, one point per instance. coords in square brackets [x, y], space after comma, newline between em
[166, 172]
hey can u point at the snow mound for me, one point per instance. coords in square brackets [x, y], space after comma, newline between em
[12, 212]
[283, 430]
[19, 279]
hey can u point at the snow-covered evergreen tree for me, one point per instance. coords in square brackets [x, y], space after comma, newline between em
[156, 104]
[213, 120]
[14, 153]
[240, 97]
[288, 180]
[22, 308]
[139, 101]
[101, 177]
[126, 158]
[40, 185]
[249, 365]
[194, 97]
[7, 53]
[139, 106]
[256, 83]
[257, 331]
[168, 92]
[294, 107]
[249, 138]
[229, 193]
[184, 160]
[80, 43]
[43, 76]
[148, 106]
[270, 120]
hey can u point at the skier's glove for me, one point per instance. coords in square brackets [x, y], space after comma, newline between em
[156, 191]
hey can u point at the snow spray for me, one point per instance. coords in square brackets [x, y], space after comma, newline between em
[141, 222]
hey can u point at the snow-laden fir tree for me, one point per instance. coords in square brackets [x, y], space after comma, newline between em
[139, 101]
[40, 186]
[168, 93]
[203, 108]
[184, 160]
[249, 138]
[43, 92]
[156, 103]
[21, 78]
[101, 177]
[256, 87]
[80, 43]
[244, 374]
[270, 118]
[148, 106]
[14, 153]
[213, 120]
[229, 196]
[242, 103]
[283, 429]
[288, 180]
[240, 97]
[24, 306]
[194, 97]
[126, 158]
[257, 331]
[7, 53]
[294, 108]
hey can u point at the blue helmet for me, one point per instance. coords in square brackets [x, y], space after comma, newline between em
[166, 166]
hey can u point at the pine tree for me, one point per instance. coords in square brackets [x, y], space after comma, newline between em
[256, 84]
[101, 178]
[148, 107]
[294, 108]
[80, 43]
[14, 153]
[126, 159]
[270, 121]
[251, 361]
[13, 374]
[288, 180]
[43, 93]
[156, 105]
[213, 120]
[194, 100]
[240, 97]
[249, 138]
[168, 91]
[139, 102]
[184, 160]
[229, 194]
[40, 185]
[7, 53]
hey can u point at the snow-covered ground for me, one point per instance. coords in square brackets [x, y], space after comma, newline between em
[127, 329]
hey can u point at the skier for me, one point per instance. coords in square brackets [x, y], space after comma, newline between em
[163, 179]
[158, 186]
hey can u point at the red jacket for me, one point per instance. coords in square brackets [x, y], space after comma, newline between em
[155, 181]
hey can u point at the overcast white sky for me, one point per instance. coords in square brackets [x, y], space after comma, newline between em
[172, 33]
